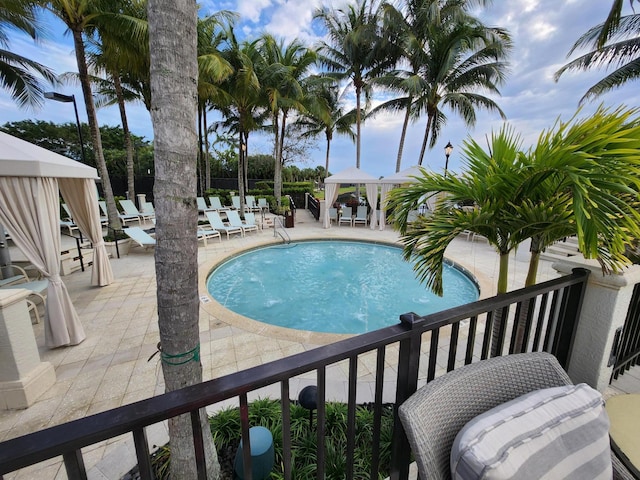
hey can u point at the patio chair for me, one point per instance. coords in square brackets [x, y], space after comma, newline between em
[252, 205]
[68, 222]
[37, 288]
[235, 202]
[333, 215]
[346, 217]
[130, 209]
[250, 220]
[139, 236]
[205, 234]
[433, 416]
[264, 205]
[361, 216]
[234, 221]
[217, 224]
[17, 275]
[216, 204]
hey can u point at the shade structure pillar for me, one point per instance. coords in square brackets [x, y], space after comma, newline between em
[23, 377]
[604, 310]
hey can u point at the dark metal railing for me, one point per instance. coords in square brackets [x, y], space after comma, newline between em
[626, 348]
[313, 205]
[456, 337]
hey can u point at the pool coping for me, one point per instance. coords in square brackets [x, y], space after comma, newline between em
[233, 319]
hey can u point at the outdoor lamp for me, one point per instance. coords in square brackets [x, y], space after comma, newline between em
[447, 151]
[59, 97]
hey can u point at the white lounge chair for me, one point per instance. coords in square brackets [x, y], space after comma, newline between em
[123, 216]
[264, 205]
[234, 221]
[333, 215]
[202, 205]
[217, 224]
[216, 204]
[235, 202]
[130, 209]
[206, 234]
[361, 216]
[68, 222]
[38, 289]
[250, 219]
[252, 205]
[345, 217]
[139, 236]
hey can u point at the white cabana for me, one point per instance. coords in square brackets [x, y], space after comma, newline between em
[30, 180]
[387, 183]
[351, 175]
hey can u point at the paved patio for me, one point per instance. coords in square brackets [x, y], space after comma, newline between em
[112, 367]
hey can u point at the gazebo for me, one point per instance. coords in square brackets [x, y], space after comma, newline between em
[31, 179]
[351, 175]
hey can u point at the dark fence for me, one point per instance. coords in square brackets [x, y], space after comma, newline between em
[313, 205]
[626, 345]
[540, 318]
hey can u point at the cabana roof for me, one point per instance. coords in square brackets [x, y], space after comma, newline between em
[351, 175]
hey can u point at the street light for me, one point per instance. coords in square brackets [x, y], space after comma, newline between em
[447, 151]
[59, 97]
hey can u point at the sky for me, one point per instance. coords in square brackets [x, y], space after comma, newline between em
[543, 31]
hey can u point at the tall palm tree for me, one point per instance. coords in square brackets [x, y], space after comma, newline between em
[174, 75]
[18, 74]
[81, 18]
[325, 115]
[462, 59]
[284, 71]
[613, 43]
[355, 51]
[408, 27]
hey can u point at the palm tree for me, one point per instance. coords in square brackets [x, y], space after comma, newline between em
[18, 74]
[81, 17]
[614, 43]
[174, 75]
[461, 60]
[283, 70]
[355, 51]
[408, 29]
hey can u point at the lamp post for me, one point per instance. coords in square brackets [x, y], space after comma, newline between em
[447, 151]
[59, 97]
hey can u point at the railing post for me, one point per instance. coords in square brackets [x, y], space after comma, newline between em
[407, 383]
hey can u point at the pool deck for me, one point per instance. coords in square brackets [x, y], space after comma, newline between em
[112, 367]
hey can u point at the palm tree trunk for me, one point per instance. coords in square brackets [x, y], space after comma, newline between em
[207, 159]
[405, 124]
[498, 320]
[128, 145]
[358, 121]
[326, 162]
[280, 162]
[174, 75]
[112, 210]
[200, 154]
[426, 137]
[277, 171]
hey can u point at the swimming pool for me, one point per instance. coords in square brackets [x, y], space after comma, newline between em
[331, 286]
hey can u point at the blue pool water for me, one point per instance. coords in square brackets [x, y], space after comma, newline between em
[331, 286]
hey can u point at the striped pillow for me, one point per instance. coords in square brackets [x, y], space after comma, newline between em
[555, 433]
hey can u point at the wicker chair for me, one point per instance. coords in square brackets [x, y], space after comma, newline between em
[434, 415]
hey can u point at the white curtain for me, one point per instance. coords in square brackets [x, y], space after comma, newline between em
[330, 195]
[372, 198]
[30, 212]
[80, 196]
[384, 191]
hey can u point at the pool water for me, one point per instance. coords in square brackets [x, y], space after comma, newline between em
[331, 286]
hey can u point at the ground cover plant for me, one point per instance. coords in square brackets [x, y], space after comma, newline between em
[225, 428]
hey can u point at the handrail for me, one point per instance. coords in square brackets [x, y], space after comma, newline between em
[281, 232]
[557, 319]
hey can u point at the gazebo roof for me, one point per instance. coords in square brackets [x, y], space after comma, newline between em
[351, 175]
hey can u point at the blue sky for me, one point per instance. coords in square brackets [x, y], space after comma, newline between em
[543, 31]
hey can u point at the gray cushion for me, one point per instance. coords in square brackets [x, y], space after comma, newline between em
[560, 432]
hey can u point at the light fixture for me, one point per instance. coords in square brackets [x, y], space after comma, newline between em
[447, 151]
[59, 97]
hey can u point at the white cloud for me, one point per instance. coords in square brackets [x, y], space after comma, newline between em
[252, 9]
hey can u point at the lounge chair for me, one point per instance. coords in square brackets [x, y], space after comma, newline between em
[68, 222]
[433, 416]
[205, 235]
[202, 205]
[217, 205]
[147, 208]
[264, 205]
[361, 216]
[217, 224]
[235, 202]
[130, 209]
[250, 220]
[17, 275]
[139, 236]
[252, 205]
[123, 216]
[104, 217]
[234, 221]
[346, 217]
